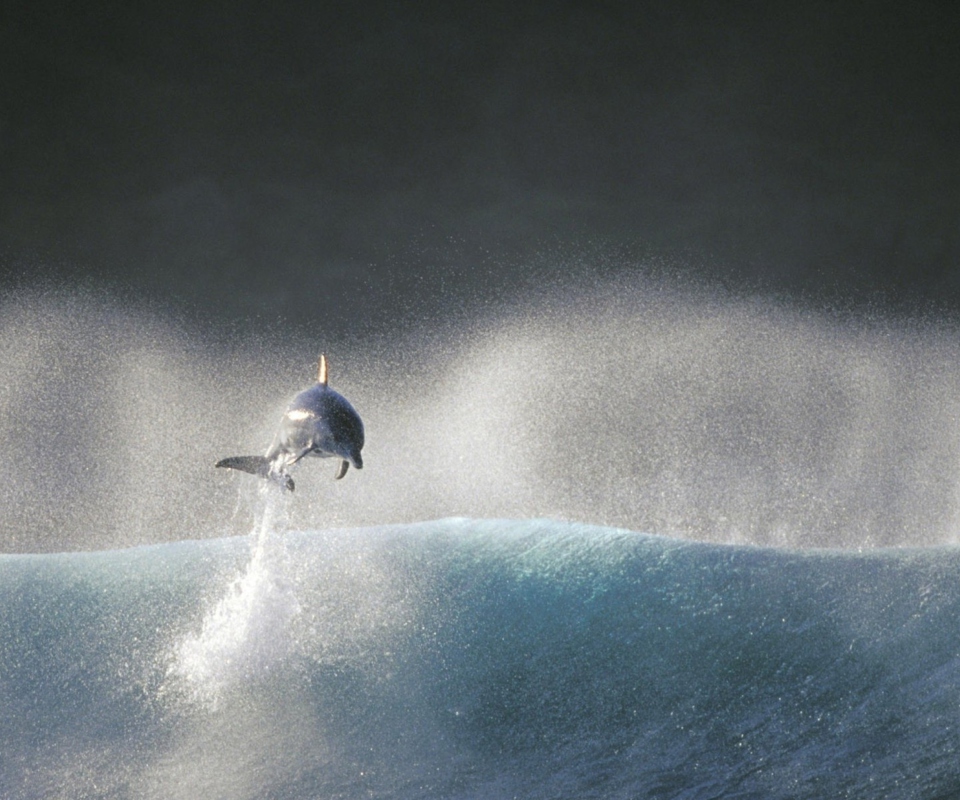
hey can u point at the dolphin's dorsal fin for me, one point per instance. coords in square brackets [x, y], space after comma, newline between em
[322, 370]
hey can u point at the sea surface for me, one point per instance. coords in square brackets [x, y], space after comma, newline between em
[478, 658]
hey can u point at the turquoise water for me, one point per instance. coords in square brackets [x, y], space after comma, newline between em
[467, 658]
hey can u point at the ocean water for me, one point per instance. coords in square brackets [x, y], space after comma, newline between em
[624, 542]
[468, 658]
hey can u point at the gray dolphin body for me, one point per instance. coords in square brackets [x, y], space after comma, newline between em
[319, 422]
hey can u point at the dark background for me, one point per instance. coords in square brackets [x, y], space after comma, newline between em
[363, 163]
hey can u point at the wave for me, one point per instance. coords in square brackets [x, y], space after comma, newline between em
[469, 658]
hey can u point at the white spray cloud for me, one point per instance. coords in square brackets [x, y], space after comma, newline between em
[661, 410]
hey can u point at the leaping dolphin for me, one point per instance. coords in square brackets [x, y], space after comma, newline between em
[318, 422]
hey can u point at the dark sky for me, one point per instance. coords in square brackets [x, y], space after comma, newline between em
[353, 162]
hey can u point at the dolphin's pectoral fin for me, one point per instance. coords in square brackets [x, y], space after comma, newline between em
[342, 469]
[255, 465]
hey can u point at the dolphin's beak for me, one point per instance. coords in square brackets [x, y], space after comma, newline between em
[356, 460]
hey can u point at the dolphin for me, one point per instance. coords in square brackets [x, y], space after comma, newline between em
[318, 422]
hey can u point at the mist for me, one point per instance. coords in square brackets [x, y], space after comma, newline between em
[669, 410]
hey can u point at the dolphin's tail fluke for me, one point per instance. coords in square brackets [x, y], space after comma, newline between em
[256, 465]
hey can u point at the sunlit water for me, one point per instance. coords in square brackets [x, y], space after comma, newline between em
[479, 658]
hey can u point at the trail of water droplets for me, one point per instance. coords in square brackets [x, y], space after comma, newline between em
[246, 632]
